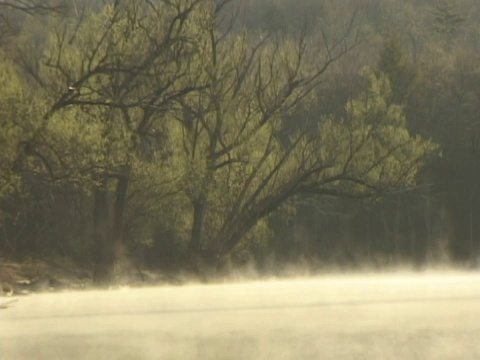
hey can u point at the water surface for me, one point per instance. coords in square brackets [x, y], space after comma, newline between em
[363, 316]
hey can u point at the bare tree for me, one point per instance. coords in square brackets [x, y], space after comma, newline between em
[242, 166]
[32, 6]
[122, 68]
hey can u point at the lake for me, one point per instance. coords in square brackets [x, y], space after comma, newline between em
[351, 316]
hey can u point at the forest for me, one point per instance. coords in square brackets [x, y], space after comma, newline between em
[204, 136]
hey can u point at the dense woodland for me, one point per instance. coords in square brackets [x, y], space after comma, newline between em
[201, 135]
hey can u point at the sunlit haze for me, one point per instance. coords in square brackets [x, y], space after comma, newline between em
[390, 316]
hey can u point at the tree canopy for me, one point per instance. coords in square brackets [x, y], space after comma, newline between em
[194, 124]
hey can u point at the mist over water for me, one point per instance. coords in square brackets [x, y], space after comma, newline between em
[356, 316]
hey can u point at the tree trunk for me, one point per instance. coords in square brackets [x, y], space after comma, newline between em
[199, 208]
[201, 260]
[119, 255]
[397, 236]
[119, 209]
[107, 234]
[241, 229]
[102, 256]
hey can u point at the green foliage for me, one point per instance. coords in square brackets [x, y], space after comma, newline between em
[82, 145]
[378, 152]
[19, 119]
[198, 122]
[236, 162]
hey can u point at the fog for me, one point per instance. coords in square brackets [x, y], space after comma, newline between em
[362, 316]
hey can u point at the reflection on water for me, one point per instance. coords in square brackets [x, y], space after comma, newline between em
[402, 316]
